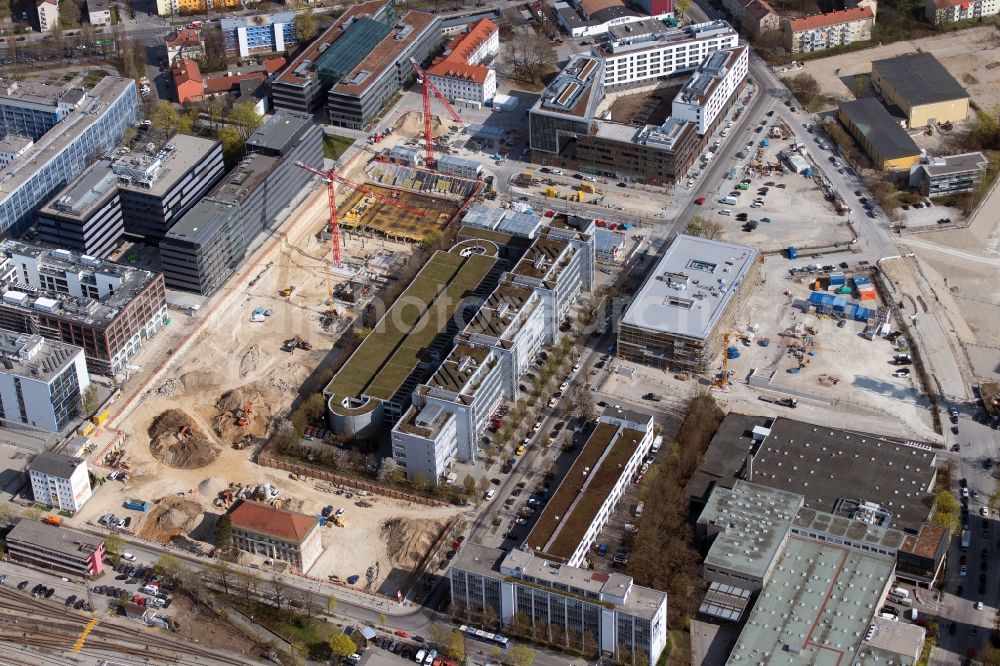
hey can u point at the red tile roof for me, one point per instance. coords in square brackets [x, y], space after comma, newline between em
[272, 65]
[187, 80]
[456, 63]
[759, 9]
[184, 37]
[278, 523]
[944, 4]
[221, 84]
[832, 18]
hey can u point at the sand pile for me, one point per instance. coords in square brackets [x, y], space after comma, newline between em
[230, 407]
[185, 450]
[212, 486]
[174, 516]
[407, 540]
[411, 124]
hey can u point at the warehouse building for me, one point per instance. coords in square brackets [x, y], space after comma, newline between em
[90, 123]
[210, 241]
[950, 174]
[879, 134]
[41, 382]
[245, 36]
[921, 88]
[86, 215]
[581, 506]
[59, 481]
[582, 609]
[58, 549]
[459, 74]
[109, 309]
[680, 316]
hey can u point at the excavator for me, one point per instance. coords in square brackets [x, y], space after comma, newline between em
[245, 416]
[182, 433]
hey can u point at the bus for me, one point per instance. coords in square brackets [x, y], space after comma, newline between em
[486, 637]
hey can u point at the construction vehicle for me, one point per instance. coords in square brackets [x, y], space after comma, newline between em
[296, 343]
[339, 521]
[784, 402]
[182, 433]
[245, 416]
[53, 520]
[287, 291]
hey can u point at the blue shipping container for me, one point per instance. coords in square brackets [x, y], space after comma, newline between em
[792, 254]
[861, 314]
[816, 297]
[837, 279]
[861, 279]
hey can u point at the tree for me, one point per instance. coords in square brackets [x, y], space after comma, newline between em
[300, 651]
[216, 111]
[186, 121]
[167, 566]
[221, 571]
[165, 117]
[682, 7]
[484, 484]
[88, 401]
[306, 26]
[35, 512]
[522, 655]
[246, 119]
[388, 470]
[804, 87]
[469, 483]
[232, 145]
[947, 511]
[224, 532]
[278, 591]
[86, 35]
[440, 634]
[699, 226]
[114, 545]
[342, 646]
[585, 404]
[6, 513]
[331, 604]
[456, 645]
[859, 86]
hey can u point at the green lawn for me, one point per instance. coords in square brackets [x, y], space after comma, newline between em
[334, 145]
[295, 627]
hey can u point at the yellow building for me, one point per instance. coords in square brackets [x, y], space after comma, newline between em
[186, 7]
[880, 135]
[922, 88]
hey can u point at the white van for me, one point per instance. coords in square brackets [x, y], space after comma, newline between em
[128, 556]
[657, 443]
[900, 592]
[419, 658]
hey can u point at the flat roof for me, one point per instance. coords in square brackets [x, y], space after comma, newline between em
[34, 357]
[573, 92]
[583, 490]
[500, 315]
[879, 128]
[753, 521]
[76, 545]
[87, 192]
[256, 21]
[55, 464]
[280, 130]
[389, 354]
[690, 287]
[200, 224]
[927, 543]
[815, 608]
[458, 368]
[920, 78]
[244, 179]
[424, 422]
[952, 164]
[167, 161]
[541, 260]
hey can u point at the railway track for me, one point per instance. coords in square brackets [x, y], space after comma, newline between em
[31, 627]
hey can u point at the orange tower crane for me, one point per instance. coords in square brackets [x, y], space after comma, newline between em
[332, 179]
[429, 88]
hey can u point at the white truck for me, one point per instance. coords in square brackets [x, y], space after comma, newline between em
[728, 200]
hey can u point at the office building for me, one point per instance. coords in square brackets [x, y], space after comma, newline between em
[358, 63]
[375, 385]
[32, 109]
[90, 122]
[58, 549]
[940, 12]
[609, 246]
[950, 174]
[579, 509]
[459, 73]
[99, 12]
[826, 31]
[211, 240]
[86, 215]
[48, 14]
[756, 16]
[582, 610]
[163, 179]
[109, 309]
[183, 43]
[253, 35]
[189, 85]
[642, 53]
[41, 382]
[712, 87]
[589, 18]
[680, 316]
[59, 481]
[277, 534]
[13, 146]
[879, 134]
[923, 90]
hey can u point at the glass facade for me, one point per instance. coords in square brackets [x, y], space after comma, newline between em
[64, 394]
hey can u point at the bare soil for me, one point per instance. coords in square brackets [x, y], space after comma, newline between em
[186, 450]
[174, 516]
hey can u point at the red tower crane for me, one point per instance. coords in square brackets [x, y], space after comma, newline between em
[429, 87]
[331, 178]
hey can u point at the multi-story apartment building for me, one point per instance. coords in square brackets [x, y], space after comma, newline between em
[210, 241]
[710, 90]
[164, 180]
[109, 309]
[951, 174]
[582, 609]
[939, 12]
[756, 16]
[41, 382]
[459, 74]
[253, 35]
[59, 549]
[825, 31]
[679, 317]
[48, 14]
[59, 481]
[183, 43]
[640, 54]
[275, 533]
[93, 124]
[185, 7]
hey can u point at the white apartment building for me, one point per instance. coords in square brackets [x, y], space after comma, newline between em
[459, 74]
[41, 380]
[704, 96]
[640, 53]
[60, 481]
[950, 11]
[825, 31]
[48, 14]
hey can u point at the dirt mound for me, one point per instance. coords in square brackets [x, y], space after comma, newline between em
[199, 380]
[411, 123]
[212, 486]
[176, 440]
[406, 541]
[173, 517]
[249, 361]
[230, 407]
